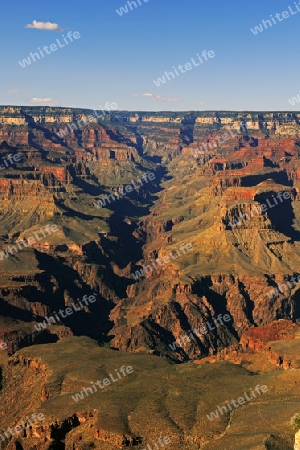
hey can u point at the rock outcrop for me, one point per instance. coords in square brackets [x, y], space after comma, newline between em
[223, 167]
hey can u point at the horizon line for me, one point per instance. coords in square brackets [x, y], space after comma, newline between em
[156, 111]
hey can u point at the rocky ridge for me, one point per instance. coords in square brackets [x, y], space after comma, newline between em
[230, 270]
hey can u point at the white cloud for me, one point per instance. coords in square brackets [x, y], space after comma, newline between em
[201, 103]
[49, 26]
[147, 94]
[15, 91]
[44, 101]
[158, 98]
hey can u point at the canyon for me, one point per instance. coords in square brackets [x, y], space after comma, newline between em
[192, 199]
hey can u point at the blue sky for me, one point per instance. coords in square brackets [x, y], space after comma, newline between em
[116, 58]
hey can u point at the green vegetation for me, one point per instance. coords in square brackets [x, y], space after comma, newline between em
[295, 421]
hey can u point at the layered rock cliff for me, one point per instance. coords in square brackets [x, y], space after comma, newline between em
[213, 172]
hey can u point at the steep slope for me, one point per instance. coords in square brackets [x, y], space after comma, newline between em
[209, 169]
[154, 399]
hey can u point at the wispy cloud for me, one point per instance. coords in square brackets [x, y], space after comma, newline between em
[44, 101]
[48, 26]
[201, 103]
[146, 94]
[16, 91]
[158, 98]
